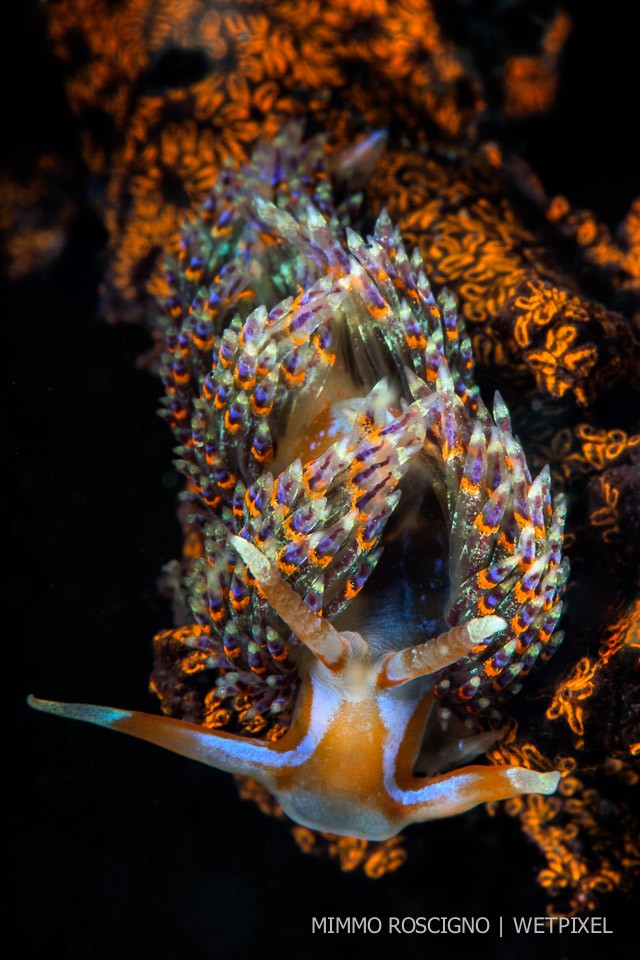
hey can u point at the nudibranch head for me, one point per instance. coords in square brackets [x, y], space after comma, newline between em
[371, 567]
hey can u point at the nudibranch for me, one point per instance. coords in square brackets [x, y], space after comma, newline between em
[372, 568]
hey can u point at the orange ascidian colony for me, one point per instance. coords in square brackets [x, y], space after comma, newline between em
[372, 570]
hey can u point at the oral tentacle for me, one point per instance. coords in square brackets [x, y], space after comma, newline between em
[460, 790]
[224, 751]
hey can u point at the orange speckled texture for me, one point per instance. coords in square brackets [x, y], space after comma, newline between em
[165, 92]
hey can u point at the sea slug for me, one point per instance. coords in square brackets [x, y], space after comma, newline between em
[372, 569]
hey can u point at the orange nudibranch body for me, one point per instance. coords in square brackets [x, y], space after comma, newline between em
[346, 764]
[335, 422]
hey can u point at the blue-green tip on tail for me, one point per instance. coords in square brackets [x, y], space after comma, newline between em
[103, 716]
[222, 750]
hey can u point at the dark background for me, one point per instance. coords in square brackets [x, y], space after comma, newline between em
[124, 850]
